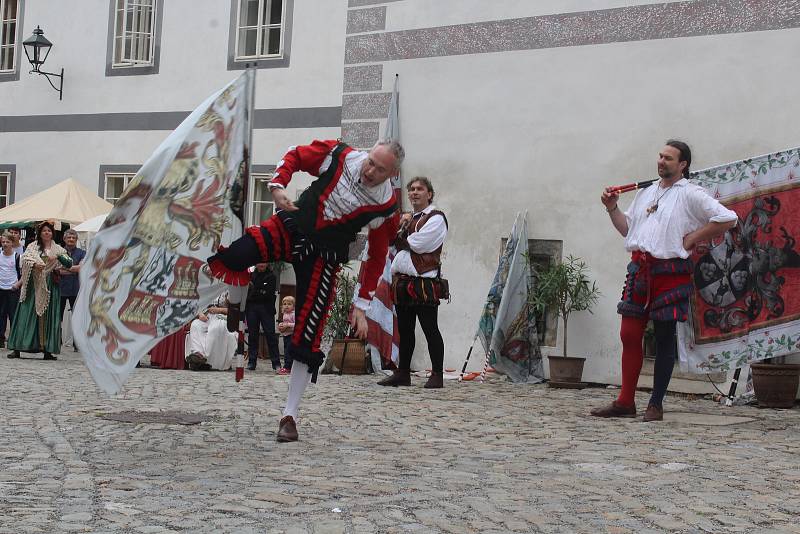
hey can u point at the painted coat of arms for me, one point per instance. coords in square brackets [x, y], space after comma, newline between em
[746, 305]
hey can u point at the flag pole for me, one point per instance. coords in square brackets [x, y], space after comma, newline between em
[466, 361]
[734, 385]
[251, 105]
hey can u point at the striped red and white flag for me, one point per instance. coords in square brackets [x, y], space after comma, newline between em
[382, 336]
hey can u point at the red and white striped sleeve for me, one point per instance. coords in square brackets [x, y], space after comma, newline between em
[306, 158]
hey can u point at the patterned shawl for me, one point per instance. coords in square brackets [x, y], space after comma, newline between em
[32, 257]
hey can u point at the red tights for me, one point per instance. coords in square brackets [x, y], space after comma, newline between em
[631, 333]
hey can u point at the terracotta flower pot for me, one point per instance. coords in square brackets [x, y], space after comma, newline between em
[775, 384]
[565, 371]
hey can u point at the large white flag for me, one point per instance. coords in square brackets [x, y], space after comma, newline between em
[514, 347]
[145, 274]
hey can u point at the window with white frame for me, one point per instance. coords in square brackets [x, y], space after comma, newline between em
[115, 185]
[8, 34]
[263, 207]
[260, 29]
[134, 33]
[5, 189]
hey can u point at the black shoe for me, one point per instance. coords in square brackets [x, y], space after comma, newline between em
[2, 343]
[49, 356]
[435, 381]
[13, 354]
[251, 367]
[399, 377]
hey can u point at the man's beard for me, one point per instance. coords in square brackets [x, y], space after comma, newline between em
[664, 173]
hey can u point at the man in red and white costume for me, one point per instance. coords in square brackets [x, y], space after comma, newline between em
[352, 190]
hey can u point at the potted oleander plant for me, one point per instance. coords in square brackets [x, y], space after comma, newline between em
[566, 288]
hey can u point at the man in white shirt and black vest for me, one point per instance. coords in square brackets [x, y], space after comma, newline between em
[352, 190]
[416, 271]
[661, 227]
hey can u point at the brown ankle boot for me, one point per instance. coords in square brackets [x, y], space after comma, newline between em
[287, 430]
[435, 381]
[400, 377]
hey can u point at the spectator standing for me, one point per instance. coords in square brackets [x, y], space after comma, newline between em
[15, 232]
[286, 327]
[37, 321]
[9, 285]
[260, 314]
[70, 283]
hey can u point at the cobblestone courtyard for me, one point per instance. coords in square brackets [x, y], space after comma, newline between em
[469, 458]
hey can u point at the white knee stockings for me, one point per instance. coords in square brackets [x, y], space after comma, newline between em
[298, 381]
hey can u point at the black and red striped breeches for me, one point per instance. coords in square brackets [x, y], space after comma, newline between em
[278, 239]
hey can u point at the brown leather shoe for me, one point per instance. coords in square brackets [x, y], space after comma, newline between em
[653, 413]
[435, 381]
[287, 430]
[400, 377]
[615, 410]
[233, 317]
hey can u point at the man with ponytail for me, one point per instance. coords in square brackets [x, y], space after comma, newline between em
[661, 227]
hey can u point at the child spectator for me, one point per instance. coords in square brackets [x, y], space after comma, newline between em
[285, 327]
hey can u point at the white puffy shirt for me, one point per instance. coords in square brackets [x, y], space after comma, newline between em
[682, 209]
[426, 239]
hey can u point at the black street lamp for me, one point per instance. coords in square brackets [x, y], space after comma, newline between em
[37, 48]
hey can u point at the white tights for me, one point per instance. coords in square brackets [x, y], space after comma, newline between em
[298, 381]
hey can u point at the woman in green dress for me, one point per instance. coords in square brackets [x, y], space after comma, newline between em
[37, 322]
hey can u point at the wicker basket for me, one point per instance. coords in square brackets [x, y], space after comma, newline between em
[349, 356]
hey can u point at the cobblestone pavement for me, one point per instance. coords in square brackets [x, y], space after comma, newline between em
[470, 458]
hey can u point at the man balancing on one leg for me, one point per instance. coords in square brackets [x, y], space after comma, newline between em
[661, 227]
[352, 190]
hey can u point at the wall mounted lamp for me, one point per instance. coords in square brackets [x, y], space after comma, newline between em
[37, 48]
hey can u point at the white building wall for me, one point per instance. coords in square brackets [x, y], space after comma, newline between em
[545, 130]
[193, 64]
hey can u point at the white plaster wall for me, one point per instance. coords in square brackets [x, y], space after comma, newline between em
[546, 130]
[45, 158]
[193, 63]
